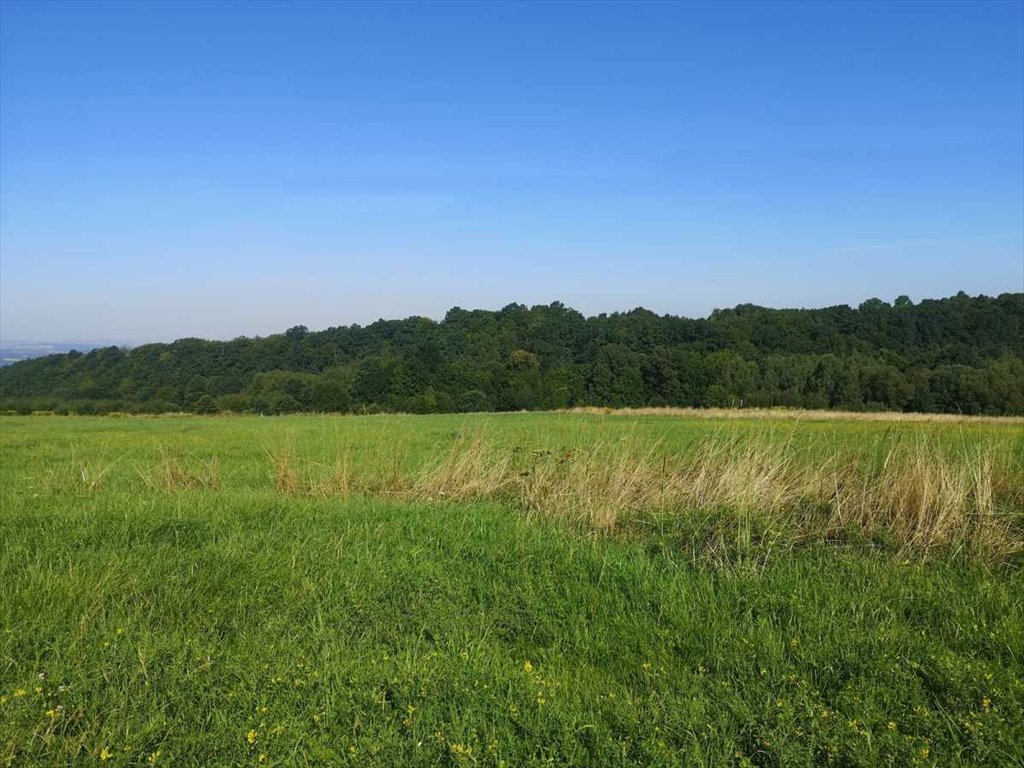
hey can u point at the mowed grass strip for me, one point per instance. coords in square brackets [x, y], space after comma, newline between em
[228, 622]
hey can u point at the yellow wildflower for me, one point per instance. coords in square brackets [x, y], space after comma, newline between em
[891, 725]
[527, 666]
[106, 754]
[19, 692]
[251, 737]
[986, 703]
[262, 758]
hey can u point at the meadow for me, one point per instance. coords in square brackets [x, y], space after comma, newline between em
[593, 588]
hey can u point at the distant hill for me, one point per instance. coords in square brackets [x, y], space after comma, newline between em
[15, 351]
[961, 354]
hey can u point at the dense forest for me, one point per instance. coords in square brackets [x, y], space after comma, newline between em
[961, 354]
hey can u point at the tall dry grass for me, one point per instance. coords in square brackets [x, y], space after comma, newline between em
[381, 471]
[173, 472]
[79, 474]
[284, 470]
[917, 493]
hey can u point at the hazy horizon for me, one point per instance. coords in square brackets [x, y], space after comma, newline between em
[219, 170]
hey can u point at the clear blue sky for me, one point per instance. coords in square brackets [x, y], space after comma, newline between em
[224, 169]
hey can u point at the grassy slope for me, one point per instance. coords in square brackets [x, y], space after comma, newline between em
[364, 631]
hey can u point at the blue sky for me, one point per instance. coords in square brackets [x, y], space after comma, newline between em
[214, 170]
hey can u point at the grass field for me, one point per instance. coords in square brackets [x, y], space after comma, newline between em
[521, 589]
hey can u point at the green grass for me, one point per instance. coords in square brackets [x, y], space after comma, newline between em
[225, 625]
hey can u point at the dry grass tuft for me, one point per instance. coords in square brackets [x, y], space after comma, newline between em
[175, 473]
[597, 485]
[79, 475]
[928, 499]
[285, 472]
[472, 469]
[380, 472]
[339, 482]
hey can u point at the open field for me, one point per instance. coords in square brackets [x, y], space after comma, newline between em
[520, 589]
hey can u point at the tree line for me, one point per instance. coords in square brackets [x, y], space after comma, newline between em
[961, 354]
